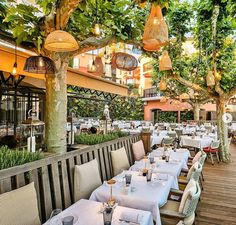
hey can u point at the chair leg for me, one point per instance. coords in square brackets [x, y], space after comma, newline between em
[212, 161]
[201, 185]
[202, 176]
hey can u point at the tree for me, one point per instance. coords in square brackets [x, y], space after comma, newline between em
[121, 20]
[215, 41]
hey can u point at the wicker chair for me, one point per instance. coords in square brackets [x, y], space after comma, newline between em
[193, 173]
[172, 134]
[170, 211]
[213, 150]
[167, 141]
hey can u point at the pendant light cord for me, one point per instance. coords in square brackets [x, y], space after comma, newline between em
[15, 53]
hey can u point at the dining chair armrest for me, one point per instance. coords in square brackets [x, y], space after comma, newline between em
[175, 195]
[171, 213]
[184, 171]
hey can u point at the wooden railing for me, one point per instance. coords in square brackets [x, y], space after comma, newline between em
[54, 176]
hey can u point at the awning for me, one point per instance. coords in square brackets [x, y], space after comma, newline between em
[74, 77]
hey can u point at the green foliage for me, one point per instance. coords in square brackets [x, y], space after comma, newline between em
[121, 108]
[187, 115]
[165, 116]
[10, 158]
[118, 18]
[183, 20]
[93, 139]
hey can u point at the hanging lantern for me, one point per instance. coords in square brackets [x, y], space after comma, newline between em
[40, 65]
[60, 41]
[210, 79]
[163, 85]
[165, 62]
[184, 96]
[151, 47]
[97, 30]
[124, 61]
[155, 30]
[99, 65]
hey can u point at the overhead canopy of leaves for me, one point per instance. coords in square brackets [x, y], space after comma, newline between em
[196, 21]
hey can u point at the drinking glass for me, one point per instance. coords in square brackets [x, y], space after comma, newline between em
[149, 175]
[128, 178]
[151, 160]
[68, 220]
[107, 215]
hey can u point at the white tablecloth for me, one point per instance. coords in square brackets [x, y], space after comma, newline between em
[87, 213]
[148, 196]
[197, 142]
[172, 168]
[180, 154]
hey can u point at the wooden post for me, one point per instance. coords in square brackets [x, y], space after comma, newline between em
[179, 116]
[146, 138]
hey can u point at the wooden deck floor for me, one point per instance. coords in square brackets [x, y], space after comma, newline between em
[218, 199]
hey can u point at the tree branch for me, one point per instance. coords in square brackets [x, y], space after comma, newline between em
[232, 92]
[66, 8]
[93, 43]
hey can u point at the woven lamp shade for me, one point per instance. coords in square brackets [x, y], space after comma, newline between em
[40, 65]
[60, 41]
[124, 61]
[184, 96]
[163, 85]
[165, 62]
[151, 48]
[155, 30]
[99, 65]
[210, 79]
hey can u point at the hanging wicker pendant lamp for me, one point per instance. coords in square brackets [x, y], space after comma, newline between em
[210, 79]
[165, 62]
[163, 84]
[124, 61]
[60, 41]
[184, 96]
[155, 30]
[40, 65]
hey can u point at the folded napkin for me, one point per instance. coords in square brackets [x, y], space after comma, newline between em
[133, 217]
[161, 176]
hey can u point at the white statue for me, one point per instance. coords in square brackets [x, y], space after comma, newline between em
[106, 112]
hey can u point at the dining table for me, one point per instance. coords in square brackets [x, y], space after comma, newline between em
[197, 141]
[142, 195]
[88, 212]
[178, 160]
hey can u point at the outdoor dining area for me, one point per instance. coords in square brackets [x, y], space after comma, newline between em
[119, 112]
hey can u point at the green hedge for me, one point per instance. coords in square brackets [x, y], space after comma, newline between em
[93, 139]
[11, 158]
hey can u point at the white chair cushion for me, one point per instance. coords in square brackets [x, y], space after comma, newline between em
[138, 150]
[197, 157]
[19, 207]
[189, 190]
[119, 160]
[192, 169]
[86, 179]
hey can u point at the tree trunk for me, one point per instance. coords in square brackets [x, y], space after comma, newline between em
[56, 107]
[196, 111]
[222, 130]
